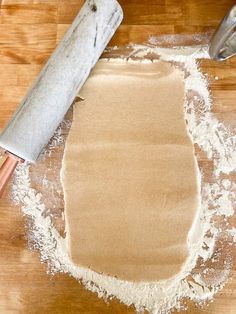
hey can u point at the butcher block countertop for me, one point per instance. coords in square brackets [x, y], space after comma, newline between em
[29, 32]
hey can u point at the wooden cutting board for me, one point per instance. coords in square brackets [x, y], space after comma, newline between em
[29, 31]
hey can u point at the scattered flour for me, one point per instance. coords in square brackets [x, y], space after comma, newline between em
[196, 281]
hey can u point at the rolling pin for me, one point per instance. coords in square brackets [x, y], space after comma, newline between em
[57, 85]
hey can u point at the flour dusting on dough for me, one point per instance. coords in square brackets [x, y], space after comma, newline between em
[211, 226]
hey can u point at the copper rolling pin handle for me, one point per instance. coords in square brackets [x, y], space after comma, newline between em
[7, 169]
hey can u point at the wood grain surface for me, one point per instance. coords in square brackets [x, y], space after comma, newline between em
[29, 31]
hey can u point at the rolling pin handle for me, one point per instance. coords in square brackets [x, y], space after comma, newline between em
[7, 169]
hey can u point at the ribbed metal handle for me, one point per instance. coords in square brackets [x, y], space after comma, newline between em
[223, 42]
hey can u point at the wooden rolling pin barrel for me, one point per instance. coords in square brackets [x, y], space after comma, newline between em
[54, 90]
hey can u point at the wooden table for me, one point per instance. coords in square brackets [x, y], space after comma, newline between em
[29, 31]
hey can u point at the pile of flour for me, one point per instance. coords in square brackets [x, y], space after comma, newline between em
[196, 281]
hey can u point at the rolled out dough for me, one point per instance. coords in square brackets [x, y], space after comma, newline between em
[129, 175]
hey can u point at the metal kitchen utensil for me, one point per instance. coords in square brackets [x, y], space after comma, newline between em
[223, 42]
